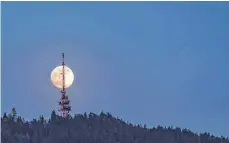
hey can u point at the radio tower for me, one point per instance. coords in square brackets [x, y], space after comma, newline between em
[65, 108]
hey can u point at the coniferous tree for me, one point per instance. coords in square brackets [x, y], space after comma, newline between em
[102, 114]
[34, 121]
[5, 118]
[14, 113]
[90, 115]
[85, 115]
[10, 117]
[53, 116]
[19, 120]
[41, 119]
[117, 127]
[109, 115]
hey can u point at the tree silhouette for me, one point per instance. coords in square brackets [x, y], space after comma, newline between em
[5, 118]
[41, 119]
[85, 115]
[102, 114]
[14, 113]
[53, 116]
[19, 120]
[109, 115]
[96, 129]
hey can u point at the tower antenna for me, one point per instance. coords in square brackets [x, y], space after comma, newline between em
[65, 108]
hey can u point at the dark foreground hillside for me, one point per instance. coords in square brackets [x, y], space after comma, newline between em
[93, 128]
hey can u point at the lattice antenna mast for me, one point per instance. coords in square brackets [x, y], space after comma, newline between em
[65, 108]
[63, 73]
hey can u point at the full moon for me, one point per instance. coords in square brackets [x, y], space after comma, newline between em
[56, 77]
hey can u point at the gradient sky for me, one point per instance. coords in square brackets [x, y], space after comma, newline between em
[159, 63]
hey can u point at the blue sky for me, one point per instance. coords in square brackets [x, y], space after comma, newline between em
[159, 63]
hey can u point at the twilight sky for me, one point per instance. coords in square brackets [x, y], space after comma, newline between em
[159, 63]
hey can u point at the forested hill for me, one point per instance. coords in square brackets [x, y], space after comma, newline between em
[92, 128]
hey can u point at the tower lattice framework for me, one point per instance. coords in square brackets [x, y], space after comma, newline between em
[64, 102]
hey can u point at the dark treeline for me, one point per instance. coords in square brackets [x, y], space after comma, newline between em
[93, 128]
